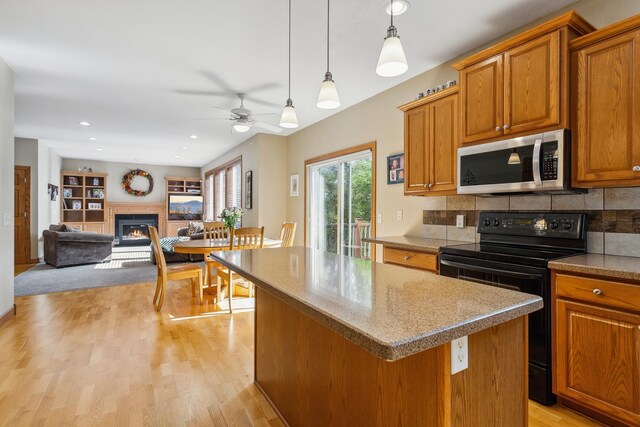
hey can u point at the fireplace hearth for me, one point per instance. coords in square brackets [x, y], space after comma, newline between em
[133, 229]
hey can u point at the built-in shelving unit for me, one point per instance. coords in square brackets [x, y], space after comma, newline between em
[83, 199]
[180, 185]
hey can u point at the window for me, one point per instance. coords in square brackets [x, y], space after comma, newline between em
[223, 188]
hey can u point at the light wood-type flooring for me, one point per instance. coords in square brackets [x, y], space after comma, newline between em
[105, 357]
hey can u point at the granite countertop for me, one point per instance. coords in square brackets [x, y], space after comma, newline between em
[619, 267]
[391, 311]
[414, 242]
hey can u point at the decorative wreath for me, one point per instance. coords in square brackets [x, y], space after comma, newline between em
[126, 182]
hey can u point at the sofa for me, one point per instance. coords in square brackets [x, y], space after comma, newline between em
[65, 246]
[167, 247]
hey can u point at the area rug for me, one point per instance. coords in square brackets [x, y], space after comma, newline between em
[128, 265]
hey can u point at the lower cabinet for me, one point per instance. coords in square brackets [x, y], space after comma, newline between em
[94, 227]
[174, 226]
[597, 345]
[413, 259]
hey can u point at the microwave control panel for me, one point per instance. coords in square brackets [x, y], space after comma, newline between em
[550, 161]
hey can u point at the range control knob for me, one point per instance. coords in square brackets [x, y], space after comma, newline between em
[553, 225]
[487, 222]
[567, 226]
[496, 222]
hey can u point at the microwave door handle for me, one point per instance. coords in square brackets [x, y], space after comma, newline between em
[535, 162]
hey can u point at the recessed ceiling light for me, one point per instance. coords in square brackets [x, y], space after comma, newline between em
[399, 7]
[92, 138]
[98, 149]
[193, 136]
[84, 123]
[176, 157]
[185, 148]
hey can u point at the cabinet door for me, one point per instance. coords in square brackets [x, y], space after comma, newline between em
[607, 112]
[443, 144]
[97, 227]
[598, 359]
[482, 101]
[532, 85]
[416, 128]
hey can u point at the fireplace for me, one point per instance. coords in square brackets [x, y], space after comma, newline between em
[133, 229]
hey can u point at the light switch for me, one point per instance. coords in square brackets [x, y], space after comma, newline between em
[379, 218]
[7, 219]
[399, 214]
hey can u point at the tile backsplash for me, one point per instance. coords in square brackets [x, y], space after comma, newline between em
[613, 215]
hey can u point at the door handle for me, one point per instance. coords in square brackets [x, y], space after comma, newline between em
[535, 162]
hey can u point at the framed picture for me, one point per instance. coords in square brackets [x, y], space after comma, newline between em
[248, 190]
[94, 206]
[73, 180]
[67, 192]
[294, 185]
[77, 204]
[96, 181]
[395, 169]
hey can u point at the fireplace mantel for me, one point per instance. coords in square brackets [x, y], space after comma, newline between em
[137, 208]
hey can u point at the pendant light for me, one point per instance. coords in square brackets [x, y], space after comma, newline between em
[514, 158]
[328, 96]
[392, 61]
[289, 119]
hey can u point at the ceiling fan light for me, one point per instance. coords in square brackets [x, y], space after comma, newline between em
[241, 127]
[289, 119]
[514, 158]
[392, 61]
[399, 7]
[328, 97]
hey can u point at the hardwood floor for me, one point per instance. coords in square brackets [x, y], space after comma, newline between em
[21, 268]
[104, 356]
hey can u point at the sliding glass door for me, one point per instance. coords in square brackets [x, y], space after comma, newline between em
[339, 204]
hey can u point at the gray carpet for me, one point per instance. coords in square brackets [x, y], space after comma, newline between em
[128, 265]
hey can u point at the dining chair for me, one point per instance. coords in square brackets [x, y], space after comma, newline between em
[241, 239]
[172, 272]
[287, 234]
[214, 230]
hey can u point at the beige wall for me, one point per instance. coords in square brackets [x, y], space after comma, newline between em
[6, 187]
[49, 166]
[378, 119]
[26, 154]
[116, 171]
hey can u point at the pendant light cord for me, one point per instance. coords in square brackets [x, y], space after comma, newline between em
[392, 13]
[289, 49]
[328, 1]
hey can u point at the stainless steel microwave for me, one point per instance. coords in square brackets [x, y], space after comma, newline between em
[530, 163]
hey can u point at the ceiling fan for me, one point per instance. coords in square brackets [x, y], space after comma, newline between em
[243, 118]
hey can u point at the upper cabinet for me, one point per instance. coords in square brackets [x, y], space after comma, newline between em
[519, 86]
[606, 105]
[431, 143]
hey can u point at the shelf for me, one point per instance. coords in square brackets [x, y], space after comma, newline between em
[71, 186]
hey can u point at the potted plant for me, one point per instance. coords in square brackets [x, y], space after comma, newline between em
[231, 216]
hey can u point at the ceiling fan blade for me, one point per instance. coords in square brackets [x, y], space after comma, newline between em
[264, 86]
[214, 118]
[213, 77]
[266, 114]
[234, 115]
[267, 126]
[252, 100]
[200, 92]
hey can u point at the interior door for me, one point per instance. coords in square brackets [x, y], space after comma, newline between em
[22, 214]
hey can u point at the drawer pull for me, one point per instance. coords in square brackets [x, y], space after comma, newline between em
[597, 291]
[406, 258]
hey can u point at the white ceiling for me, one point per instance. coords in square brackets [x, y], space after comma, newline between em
[129, 67]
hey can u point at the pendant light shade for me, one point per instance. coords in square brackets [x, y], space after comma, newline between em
[289, 119]
[514, 158]
[392, 61]
[328, 96]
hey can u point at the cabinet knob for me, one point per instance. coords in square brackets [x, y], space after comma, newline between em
[636, 168]
[430, 185]
[497, 128]
[505, 127]
[425, 185]
[406, 258]
[597, 291]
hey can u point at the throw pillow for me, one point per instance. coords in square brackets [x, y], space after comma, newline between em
[195, 228]
[58, 227]
[72, 229]
[167, 243]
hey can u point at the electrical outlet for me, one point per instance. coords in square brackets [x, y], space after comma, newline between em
[379, 218]
[399, 214]
[459, 354]
[7, 219]
[460, 221]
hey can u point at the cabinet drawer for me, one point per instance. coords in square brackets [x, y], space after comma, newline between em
[605, 292]
[421, 260]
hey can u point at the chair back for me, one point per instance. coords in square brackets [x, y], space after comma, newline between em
[247, 238]
[363, 230]
[287, 234]
[215, 230]
[161, 263]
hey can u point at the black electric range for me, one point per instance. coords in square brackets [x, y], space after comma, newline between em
[513, 253]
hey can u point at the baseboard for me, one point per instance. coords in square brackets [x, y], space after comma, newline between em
[8, 315]
[34, 261]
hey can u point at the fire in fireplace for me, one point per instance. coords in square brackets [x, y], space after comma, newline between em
[133, 229]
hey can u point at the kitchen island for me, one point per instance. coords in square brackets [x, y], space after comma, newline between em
[343, 341]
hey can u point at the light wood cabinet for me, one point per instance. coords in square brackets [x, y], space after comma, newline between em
[83, 199]
[606, 102]
[519, 86]
[431, 143]
[174, 226]
[409, 258]
[597, 345]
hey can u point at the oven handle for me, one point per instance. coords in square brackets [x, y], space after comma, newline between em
[490, 270]
[537, 179]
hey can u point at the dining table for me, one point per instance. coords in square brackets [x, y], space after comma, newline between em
[206, 246]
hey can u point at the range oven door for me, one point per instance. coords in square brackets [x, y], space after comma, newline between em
[531, 163]
[532, 280]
